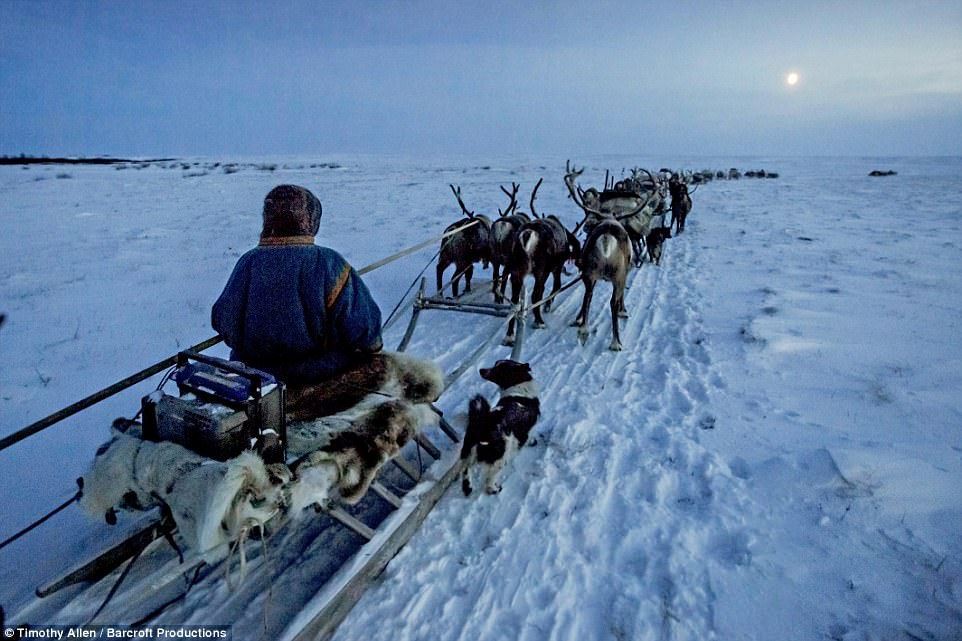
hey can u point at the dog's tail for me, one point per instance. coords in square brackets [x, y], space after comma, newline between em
[478, 408]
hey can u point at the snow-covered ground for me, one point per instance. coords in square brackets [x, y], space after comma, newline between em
[776, 454]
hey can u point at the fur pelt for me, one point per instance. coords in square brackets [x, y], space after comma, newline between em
[210, 501]
[346, 451]
[385, 373]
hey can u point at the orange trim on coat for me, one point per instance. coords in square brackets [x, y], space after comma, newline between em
[338, 286]
[282, 241]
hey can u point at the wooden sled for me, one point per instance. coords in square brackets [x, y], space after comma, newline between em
[382, 542]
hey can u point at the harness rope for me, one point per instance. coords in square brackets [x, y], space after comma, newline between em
[42, 520]
[404, 296]
[458, 275]
[116, 586]
[240, 544]
[269, 601]
[190, 584]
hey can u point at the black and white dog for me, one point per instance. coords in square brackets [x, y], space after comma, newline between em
[494, 435]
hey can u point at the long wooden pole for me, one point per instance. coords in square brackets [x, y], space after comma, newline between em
[96, 397]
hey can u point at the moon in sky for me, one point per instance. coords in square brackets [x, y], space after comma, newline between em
[792, 78]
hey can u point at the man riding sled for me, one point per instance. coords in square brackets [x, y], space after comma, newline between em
[300, 312]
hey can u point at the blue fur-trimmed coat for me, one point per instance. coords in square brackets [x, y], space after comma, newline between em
[296, 310]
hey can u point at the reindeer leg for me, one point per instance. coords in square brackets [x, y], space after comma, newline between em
[556, 286]
[616, 304]
[495, 276]
[585, 308]
[583, 312]
[516, 282]
[467, 275]
[536, 295]
[440, 273]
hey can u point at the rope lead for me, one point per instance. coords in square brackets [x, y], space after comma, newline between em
[43, 519]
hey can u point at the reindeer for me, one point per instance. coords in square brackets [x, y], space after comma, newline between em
[606, 256]
[680, 204]
[627, 207]
[464, 248]
[503, 232]
[642, 182]
[540, 248]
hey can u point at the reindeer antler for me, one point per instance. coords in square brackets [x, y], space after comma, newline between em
[654, 190]
[533, 212]
[575, 192]
[513, 195]
[457, 194]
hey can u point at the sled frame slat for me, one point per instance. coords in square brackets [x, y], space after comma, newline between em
[409, 332]
[522, 316]
[448, 429]
[453, 303]
[407, 468]
[428, 446]
[386, 494]
[338, 514]
[499, 311]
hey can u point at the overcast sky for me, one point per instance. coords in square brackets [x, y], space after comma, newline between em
[562, 77]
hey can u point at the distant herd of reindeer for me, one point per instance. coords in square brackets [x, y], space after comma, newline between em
[623, 223]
